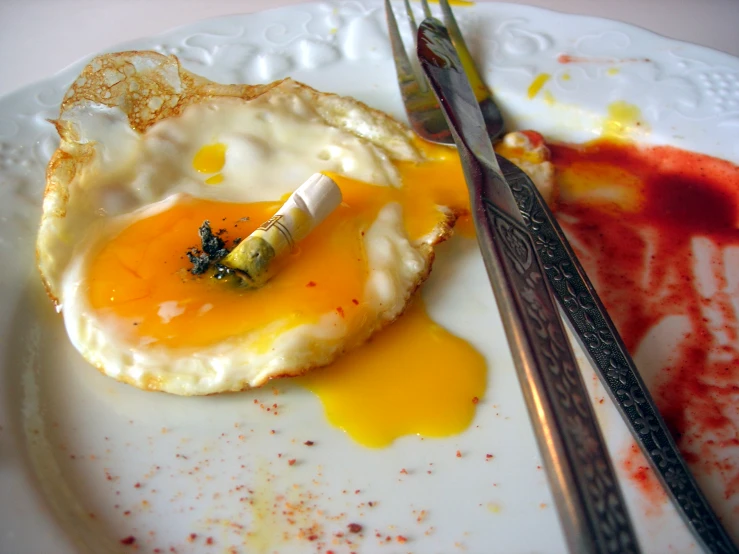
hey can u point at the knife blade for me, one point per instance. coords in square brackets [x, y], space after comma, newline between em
[586, 491]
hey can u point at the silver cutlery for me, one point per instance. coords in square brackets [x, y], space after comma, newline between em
[584, 485]
[567, 280]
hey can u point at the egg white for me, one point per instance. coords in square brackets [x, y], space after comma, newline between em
[273, 142]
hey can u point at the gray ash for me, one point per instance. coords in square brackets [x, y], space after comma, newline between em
[213, 245]
[199, 260]
[213, 249]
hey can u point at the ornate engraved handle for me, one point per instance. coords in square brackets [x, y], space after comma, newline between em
[584, 484]
[600, 339]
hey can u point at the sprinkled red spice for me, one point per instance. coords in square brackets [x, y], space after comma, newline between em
[340, 310]
[311, 284]
[192, 537]
[354, 527]
[488, 456]
[636, 467]
[309, 443]
[401, 539]
[209, 540]
[459, 454]
[137, 486]
[475, 400]
[355, 301]
[291, 462]
[128, 540]
[404, 471]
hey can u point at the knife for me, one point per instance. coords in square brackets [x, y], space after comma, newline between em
[585, 488]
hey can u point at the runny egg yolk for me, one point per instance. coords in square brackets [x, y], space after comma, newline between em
[413, 377]
[142, 278]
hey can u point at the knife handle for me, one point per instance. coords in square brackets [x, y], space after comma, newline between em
[585, 488]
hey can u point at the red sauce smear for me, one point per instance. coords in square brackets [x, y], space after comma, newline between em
[643, 262]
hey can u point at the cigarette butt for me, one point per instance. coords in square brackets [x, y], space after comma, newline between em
[307, 207]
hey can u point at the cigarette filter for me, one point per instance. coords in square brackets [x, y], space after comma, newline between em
[253, 259]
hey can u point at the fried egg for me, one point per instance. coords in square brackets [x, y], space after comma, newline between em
[149, 151]
[129, 187]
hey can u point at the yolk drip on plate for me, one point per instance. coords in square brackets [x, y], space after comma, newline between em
[414, 377]
[142, 278]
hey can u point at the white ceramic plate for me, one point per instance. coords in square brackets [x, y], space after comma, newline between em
[86, 461]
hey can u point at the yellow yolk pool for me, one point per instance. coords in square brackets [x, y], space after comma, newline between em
[430, 377]
[413, 377]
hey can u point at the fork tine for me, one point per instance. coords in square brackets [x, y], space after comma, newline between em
[411, 19]
[478, 86]
[420, 77]
[426, 9]
[403, 65]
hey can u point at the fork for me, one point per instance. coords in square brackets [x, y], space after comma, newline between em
[584, 485]
[571, 287]
[426, 119]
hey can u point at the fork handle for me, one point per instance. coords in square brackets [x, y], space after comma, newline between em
[585, 488]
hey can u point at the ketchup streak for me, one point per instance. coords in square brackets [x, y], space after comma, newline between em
[643, 264]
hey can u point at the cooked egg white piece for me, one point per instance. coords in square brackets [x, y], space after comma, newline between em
[529, 152]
